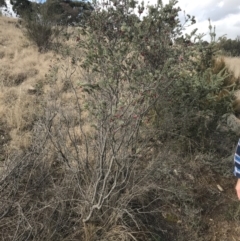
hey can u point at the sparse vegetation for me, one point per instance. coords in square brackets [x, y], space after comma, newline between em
[230, 47]
[120, 135]
[44, 22]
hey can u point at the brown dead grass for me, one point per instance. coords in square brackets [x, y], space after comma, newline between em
[20, 61]
[233, 63]
[21, 67]
[28, 77]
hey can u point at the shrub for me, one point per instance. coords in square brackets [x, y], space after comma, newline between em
[40, 27]
[191, 96]
[201, 93]
[136, 72]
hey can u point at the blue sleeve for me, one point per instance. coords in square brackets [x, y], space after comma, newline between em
[237, 161]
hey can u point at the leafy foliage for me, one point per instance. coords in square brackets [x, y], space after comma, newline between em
[21, 7]
[141, 51]
[44, 22]
[68, 12]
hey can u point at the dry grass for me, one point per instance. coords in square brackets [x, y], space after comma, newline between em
[233, 63]
[22, 67]
[19, 59]
[28, 78]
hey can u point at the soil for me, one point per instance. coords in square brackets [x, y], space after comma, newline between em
[223, 221]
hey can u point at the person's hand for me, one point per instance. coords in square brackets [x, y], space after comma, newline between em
[238, 188]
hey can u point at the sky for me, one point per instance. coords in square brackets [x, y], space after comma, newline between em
[224, 14]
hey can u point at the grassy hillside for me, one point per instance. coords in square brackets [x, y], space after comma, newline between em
[44, 193]
[24, 82]
[23, 72]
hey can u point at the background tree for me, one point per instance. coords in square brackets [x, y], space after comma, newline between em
[68, 12]
[43, 23]
[21, 7]
[2, 3]
[230, 46]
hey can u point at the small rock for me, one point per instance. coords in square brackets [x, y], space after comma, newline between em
[220, 188]
[31, 90]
